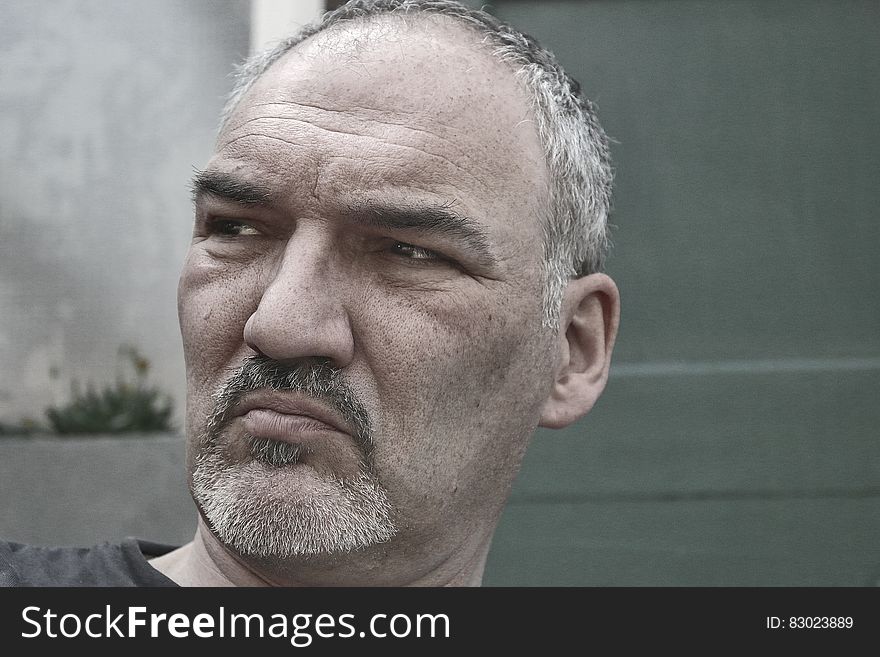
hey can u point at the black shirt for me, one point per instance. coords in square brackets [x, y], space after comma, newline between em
[108, 564]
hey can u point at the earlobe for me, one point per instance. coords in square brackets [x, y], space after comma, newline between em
[588, 324]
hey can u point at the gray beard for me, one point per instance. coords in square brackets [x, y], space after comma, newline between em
[251, 515]
[273, 452]
[255, 507]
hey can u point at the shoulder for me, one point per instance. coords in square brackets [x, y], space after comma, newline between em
[108, 564]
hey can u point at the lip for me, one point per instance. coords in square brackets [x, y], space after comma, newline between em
[291, 404]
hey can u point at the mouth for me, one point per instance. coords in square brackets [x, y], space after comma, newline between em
[287, 416]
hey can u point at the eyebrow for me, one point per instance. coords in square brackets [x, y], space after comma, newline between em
[431, 219]
[418, 217]
[229, 187]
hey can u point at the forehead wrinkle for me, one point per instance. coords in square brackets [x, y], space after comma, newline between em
[259, 135]
[354, 111]
[389, 142]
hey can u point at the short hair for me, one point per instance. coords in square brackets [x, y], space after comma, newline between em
[575, 225]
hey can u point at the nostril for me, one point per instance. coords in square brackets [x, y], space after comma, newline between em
[249, 335]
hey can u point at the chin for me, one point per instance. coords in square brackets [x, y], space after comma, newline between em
[281, 511]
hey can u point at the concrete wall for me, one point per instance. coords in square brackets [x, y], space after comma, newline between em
[105, 107]
[86, 490]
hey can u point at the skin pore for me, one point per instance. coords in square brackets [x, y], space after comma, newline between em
[372, 205]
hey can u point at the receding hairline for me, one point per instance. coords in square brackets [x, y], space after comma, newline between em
[373, 23]
[378, 26]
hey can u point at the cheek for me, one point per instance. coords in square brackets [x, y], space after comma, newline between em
[460, 392]
[459, 344]
[213, 302]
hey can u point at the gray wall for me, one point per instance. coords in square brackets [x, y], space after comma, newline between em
[737, 443]
[105, 107]
[86, 490]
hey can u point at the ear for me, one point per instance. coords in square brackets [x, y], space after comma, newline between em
[588, 322]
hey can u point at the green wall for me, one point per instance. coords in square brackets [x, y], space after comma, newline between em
[736, 443]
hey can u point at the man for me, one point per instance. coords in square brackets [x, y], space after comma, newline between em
[394, 279]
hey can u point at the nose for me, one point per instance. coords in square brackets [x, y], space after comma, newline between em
[301, 314]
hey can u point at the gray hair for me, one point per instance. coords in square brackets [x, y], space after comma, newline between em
[575, 146]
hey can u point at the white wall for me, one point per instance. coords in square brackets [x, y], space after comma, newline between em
[105, 107]
[272, 20]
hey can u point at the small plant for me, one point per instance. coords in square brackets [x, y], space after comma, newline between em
[127, 405]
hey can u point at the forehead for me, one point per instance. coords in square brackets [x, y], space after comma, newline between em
[394, 105]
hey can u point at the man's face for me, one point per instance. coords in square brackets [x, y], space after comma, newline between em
[372, 210]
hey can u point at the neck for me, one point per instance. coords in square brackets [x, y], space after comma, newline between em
[207, 562]
[199, 563]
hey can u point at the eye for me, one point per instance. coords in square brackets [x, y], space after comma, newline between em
[411, 252]
[230, 228]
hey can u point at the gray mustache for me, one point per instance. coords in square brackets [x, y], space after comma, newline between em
[317, 379]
